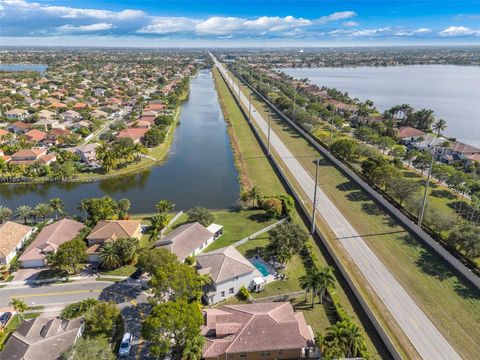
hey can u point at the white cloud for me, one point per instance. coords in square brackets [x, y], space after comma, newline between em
[168, 25]
[350, 23]
[341, 15]
[459, 31]
[421, 31]
[370, 32]
[82, 28]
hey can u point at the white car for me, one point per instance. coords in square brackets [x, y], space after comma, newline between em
[125, 345]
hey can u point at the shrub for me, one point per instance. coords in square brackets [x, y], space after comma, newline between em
[201, 215]
[78, 309]
[273, 207]
[243, 293]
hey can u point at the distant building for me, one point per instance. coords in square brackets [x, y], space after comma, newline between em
[35, 136]
[408, 134]
[12, 236]
[256, 331]
[136, 134]
[16, 114]
[19, 127]
[42, 338]
[48, 241]
[189, 239]
[87, 152]
[32, 156]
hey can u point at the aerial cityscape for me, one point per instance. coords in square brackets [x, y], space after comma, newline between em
[239, 180]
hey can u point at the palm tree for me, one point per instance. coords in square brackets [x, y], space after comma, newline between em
[308, 282]
[5, 213]
[344, 339]
[19, 306]
[164, 206]
[24, 212]
[439, 126]
[109, 256]
[255, 195]
[43, 210]
[353, 338]
[193, 348]
[326, 280]
[83, 206]
[158, 222]
[57, 205]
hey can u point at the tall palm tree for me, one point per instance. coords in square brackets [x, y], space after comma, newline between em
[24, 212]
[353, 338]
[43, 210]
[83, 206]
[110, 256]
[19, 306]
[5, 213]
[158, 222]
[326, 280]
[308, 282]
[164, 206]
[57, 205]
[255, 195]
[439, 126]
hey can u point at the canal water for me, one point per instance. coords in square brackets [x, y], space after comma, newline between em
[199, 169]
[41, 68]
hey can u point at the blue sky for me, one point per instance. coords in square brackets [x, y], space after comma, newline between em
[239, 23]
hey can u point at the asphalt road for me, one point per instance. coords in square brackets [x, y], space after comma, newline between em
[424, 336]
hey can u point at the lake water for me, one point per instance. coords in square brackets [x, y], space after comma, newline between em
[199, 169]
[41, 68]
[453, 92]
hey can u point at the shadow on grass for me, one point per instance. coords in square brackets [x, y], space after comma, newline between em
[357, 195]
[347, 186]
[259, 217]
[444, 194]
[430, 264]
[466, 291]
[372, 209]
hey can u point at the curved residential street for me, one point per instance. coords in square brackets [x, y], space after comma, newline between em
[423, 334]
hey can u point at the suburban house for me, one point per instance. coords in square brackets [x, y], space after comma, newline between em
[228, 270]
[32, 156]
[42, 338]
[136, 134]
[108, 231]
[35, 136]
[428, 142]
[48, 240]
[408, 134]
[71, 115]
[98, 114]
[189, 239]
[47, 124]
[4, 136]
[16, 114]
[12, 236]
[256, 331]
[87, 152]
[19, 127]
[459, 151]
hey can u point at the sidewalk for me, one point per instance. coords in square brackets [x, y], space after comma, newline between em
[84, 278]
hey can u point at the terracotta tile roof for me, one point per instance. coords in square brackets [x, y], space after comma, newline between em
[252, 328]
[11, 233]
[185, 239]
[408, 131]
[35, 135]
[224, 264]
[21, 125]
[29, 153]
[462, 148]
[133, 133]
[51, 237]
[108, 229]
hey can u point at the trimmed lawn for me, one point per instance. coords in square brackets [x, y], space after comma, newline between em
[126, 270]
[451, 303]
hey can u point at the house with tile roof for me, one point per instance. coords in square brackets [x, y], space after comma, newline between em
[35, 136]
[229, 271]
[42, 338]
[136, 134]
[31, 156]
[109, 231]
[12, 236]
[48, 241]
[189, 239]
[16, 114]
[256, 331]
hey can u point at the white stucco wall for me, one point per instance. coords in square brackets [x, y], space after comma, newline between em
[236, 284]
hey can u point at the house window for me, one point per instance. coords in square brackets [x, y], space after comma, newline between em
[280, 352]
[265, 353]
[231, 291]
[231, 356]
[222, 294]
[243, 355]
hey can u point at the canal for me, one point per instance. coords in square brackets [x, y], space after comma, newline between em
[199, 169]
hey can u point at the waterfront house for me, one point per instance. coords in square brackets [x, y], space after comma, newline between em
[108, 231]
[87, 152]
[31, 156]
[16, 114]
[458, 151]
[189, 239]
[407, 134]
[256, 331]
[42, 338]
[12, 236]
[136, 134]
[428, 142]
[229, 272]
[48, 241]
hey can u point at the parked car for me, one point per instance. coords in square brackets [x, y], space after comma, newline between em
[4, 319]
[125, 345]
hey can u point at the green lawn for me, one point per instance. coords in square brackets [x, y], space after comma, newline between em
[256, 169]
[126, 270]
[452, 304]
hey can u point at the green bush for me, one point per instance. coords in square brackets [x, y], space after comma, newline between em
[243, 293]
[78, 309]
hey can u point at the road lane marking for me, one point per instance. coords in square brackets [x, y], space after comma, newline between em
[56, 293]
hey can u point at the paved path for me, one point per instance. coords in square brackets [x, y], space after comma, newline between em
[425, 337]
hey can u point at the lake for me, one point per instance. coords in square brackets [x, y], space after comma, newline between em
[41, 68]
[199, 169]
[453, 92]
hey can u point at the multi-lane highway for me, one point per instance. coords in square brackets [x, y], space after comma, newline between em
[422, 333]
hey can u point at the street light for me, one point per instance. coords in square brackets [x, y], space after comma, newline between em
[269, 128]
[249, 106]
[425, 194]
[317, 161]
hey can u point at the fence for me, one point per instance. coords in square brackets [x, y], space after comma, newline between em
[276, 298]
[175, 218]
[410, 225]
[366, 307]
[259, 232]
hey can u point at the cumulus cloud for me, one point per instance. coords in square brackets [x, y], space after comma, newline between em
[421, 31]
[459, 31]
[350, 23]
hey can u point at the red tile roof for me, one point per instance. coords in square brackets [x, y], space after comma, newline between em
[408, 131]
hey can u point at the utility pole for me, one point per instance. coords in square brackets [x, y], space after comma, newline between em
[269, 128]
[294, 105]
[425, 194]
[249, 106]
[312, 231]
[331, 132]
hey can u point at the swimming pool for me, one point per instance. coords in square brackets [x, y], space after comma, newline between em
[259, 264]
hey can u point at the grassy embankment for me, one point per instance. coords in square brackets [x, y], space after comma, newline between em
[255, 169]
[451, 303]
